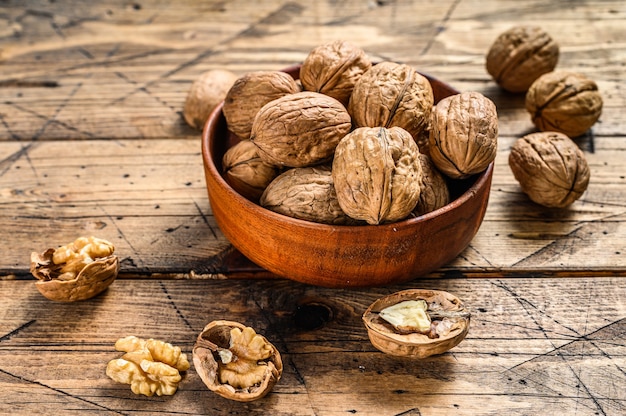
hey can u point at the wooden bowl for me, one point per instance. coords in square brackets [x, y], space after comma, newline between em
[337, 255]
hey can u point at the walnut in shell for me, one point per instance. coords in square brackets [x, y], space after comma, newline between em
[206, 92]
[300, 129]
[307, 194]
[550, 168]
[77, 271]
[391, 94]
[246, 172]
[434, 192]
[251, 92]
[333, 68]
[564, 101]
[416, 323]
[520, 55]
[377, 174]
[235, 362]
[464, 134]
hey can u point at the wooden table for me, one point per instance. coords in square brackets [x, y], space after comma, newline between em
[92, 142]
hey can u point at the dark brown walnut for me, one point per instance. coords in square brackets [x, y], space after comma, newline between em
[464, 134]
[251, 92]
[300, 129]
[550, 168]
[307, 194]
[77, 271]
[564, 101]
[416, 323]
[246, 172]
[434, 192]
[520, 55]
[377, 174]
[333, 68]
[235, 362]
[206, 92]
[392, 95]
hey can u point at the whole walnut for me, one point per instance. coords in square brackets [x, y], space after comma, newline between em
[251, 92]
[377, 174]
[300, 129]
[333, 68]
[246, 172]
[434, 192]
[305, 193]
[391, 94]
[520, 55]
[206, 92]
[564, 101]
[464, 134]
[550, 168]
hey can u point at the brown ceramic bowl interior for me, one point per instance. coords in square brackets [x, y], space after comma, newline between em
[342, 256]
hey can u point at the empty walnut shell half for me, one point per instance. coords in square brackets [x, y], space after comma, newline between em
[449, 323]
[564, 101]
[77, 271]
[235, 362]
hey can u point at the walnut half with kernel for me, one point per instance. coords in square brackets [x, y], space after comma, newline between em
[77, 271]
[236, 362]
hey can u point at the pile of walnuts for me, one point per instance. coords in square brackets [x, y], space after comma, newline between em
[340, 146]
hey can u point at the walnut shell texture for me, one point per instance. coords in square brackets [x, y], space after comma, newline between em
[377, 174]
[249, 93]
[550, 168]
[445, 310]
[391, 94]
[246, 172]
[205, 93]
[434, 192]
[464, 134]
[564, 101]
[305, 193]
[520, 55]
[300, 129]
[333, 68]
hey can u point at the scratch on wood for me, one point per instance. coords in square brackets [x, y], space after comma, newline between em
[440, 27]
[204, 219]
[178, 312]
[17, 330]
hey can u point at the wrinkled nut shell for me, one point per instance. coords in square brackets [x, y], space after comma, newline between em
[215, 336]
[434, 192]
[520, 55]
[550, 168]
[464, 134]
[206, 92]
[565, 102]
[386, 339]
[333, 69]
[300, 130]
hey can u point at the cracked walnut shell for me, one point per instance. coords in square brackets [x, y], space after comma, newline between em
[77, 271]
[550, 168]
[520, 55]
[377, 174]
[464, 134]
[416, 323]
[235, 362]
[564, 101]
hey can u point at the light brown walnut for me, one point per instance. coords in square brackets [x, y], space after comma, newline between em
[550, 168]
[434, 192]
[205, 93]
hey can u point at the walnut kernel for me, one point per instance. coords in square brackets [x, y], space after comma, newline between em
[206, 92]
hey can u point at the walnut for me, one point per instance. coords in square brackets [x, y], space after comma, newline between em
[236, 362]
[520, 55]
[246, 172]
[333, 69]
[300, 129]
[434, 192]
[564, 101]
[77, 271]
[416, 323]
[464, 134]
[377, 174]
[206, 92]
[550, 168]
[149, 366]
[251, 92]
[305, 193]
[391, 94]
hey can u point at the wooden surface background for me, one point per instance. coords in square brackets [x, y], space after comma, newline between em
[92, 141]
